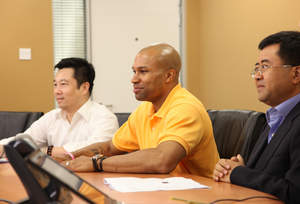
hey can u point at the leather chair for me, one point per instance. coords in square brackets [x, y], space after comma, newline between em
[122, 118]
[12, 123]
[236, 131]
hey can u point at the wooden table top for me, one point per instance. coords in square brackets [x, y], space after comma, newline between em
[12, 189]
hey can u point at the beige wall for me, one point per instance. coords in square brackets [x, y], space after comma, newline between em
[222, 39]
[26, 85]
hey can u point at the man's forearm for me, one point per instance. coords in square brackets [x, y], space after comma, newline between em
[106, 148]
[152, 160]
[136, 162]
[162, 159]
[89, 150]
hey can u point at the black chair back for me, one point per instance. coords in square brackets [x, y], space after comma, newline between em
[122, 118]
[236, 131]
[12, 123]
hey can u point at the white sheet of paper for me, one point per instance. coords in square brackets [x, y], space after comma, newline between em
[134, 184]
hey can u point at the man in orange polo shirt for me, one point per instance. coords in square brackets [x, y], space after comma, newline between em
[169, 132]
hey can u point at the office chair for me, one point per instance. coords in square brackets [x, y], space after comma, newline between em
[12, 123]
[122, 118]
[236, 131]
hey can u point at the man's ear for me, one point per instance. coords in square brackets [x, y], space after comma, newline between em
[296, 75]
[85, 87]
[170, 75]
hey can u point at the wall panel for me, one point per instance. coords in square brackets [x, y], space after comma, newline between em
[221, 43]
[26, 85]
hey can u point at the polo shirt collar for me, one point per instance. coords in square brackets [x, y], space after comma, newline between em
[162, 110]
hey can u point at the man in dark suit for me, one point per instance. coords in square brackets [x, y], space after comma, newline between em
[274, 164]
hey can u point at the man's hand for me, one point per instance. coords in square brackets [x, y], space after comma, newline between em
[91, 150]
[224, 168]
[60, 154]
[81, 164]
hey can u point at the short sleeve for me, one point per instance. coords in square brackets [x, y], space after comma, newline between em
[186, 125]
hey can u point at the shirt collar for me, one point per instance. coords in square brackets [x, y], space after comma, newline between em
[284, 108]
[82, 111]
[162, 110]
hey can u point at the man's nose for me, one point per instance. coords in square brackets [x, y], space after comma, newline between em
[134, 79]
[57, 90]
[258, 75]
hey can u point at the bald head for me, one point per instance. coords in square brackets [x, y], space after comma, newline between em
[156, 72]
[164, 55]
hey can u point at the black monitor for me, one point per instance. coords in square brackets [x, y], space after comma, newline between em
[45, 180]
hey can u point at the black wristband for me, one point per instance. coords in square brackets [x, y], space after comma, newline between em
[94, 159]
[101, 163]
[49, 150]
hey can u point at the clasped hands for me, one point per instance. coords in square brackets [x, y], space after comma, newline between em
[224, 168]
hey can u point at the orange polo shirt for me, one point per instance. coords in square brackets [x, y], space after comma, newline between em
[181, 118]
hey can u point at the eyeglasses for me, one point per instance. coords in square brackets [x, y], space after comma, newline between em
[262, 68]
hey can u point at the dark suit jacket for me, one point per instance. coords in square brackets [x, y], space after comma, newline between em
[275, 167]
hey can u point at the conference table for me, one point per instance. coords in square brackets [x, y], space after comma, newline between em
[12, 189]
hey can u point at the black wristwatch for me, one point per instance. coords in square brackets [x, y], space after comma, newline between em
[49, 150]
[95, 159]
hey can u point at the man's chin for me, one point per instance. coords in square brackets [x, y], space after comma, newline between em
[139, 98]
[262, 99]
[61, 106]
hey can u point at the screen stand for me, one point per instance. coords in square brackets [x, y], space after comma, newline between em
[34, 190]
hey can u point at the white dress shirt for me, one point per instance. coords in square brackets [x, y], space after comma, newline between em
[90, 124]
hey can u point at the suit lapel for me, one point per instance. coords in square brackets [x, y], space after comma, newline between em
[259, 147]
[262, 153]
[270, 148]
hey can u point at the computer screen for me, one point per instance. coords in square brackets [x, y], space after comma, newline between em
[52, 177]
[67, 178]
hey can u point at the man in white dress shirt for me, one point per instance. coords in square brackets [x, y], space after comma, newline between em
[78, 121]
